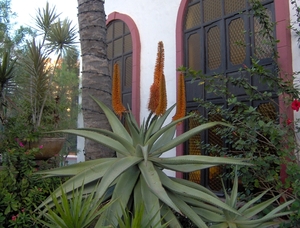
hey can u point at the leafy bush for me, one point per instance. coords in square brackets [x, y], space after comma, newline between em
[20, 190]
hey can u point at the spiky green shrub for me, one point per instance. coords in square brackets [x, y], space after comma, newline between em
[250, 214]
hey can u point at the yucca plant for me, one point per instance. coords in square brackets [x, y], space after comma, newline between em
[136, 175]
[250, 214]
[55, 38]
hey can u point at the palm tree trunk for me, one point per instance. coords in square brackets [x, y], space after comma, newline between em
[95, 72]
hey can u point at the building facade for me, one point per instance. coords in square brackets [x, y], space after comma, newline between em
[200, 34]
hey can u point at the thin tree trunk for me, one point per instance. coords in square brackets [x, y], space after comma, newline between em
[95, 72]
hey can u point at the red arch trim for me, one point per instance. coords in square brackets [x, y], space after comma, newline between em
[136, 64]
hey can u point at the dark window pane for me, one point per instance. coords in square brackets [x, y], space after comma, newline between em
[109, 34]
[128, 72]
[213, 48]
[193, 17]
[237, 42]
[194, 148]
[194, 51]
[232, 6]
[118, 27]
[127, 43]
[212, 9]
[118, 47]
[109, 51]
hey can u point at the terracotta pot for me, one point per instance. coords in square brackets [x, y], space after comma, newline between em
[50, 147]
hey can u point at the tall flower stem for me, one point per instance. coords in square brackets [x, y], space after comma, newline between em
[181, 99]
[158, 73]
[117, 104]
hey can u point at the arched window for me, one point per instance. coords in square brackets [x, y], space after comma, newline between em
[119, 50]
[220, 37]
[124, 47]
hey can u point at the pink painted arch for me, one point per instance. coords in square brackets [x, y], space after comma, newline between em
[136, 54]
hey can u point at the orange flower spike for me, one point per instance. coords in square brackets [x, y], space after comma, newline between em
[159, 68]
[117, 105]
[181, 100]
[162, 102]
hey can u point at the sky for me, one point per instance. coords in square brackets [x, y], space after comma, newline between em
[26, 9]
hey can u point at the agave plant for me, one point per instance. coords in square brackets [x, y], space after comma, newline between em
[136, 176]
[249, 214]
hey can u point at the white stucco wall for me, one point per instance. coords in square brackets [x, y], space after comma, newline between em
[156, 21]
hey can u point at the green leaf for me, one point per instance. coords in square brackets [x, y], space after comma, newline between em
[187, 210]
[186, 135]
[180, 189]
[116, 169]
[153, 181]
[115, 124]
[121, 195]
[104, 140]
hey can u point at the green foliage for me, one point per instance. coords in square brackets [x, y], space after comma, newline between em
[20, 190]
[77, 210]
[268, 140]
[135, 176]
[249, 212]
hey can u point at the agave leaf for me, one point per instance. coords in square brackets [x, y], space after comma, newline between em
[220, 225]
[194, 186]
[166, 137]
[115, 136]
[157, 134]
[153, 181]
[142, 151]
[121, 194]
[169, 216]
[250, 212]
[160, 121]
[184, 167]
[198, 159]
[209, 215]
[185, 136]
[180, 189]
[102, 139]
[95, 172]
[151, 202]
[234, 192]
[251, 202]
[187, 210]
[134, 131]
[115, 124]
[201, 205]
[279, 208]
[115, 170]
[74, 169]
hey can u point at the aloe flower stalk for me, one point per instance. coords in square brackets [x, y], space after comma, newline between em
[158, 73]
[162, 101]
[117, 104]
[181, 100]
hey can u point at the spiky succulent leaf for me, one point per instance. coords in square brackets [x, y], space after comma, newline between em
[100, 138]
[186, 135]
[120, 197]
[115, 124]
[153, 181]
